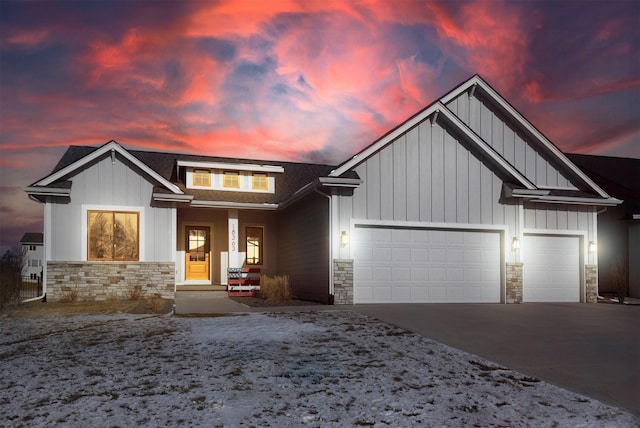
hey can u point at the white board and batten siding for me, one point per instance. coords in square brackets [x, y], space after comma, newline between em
[522, 152]
[111, 186]
[426, 265]
[427, 175]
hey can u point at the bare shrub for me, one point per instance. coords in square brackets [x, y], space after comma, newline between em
[620, 277]
[136, 292]
[275, 290]
[70, 294]
[156, 302]
[11, 266]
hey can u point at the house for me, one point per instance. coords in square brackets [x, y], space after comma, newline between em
[33, 255]
[618, 226]
[466, 201]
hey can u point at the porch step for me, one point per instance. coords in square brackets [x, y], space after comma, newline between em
[201, 288]
[202, 294]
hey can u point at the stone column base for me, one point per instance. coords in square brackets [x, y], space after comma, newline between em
[343, 281]
[591, 283]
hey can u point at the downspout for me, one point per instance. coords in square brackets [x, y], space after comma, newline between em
[330, 240]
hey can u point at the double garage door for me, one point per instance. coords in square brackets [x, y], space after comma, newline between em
[409, 265]
[419, 265]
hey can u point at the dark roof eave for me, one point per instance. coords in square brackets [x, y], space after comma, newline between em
[339, 182]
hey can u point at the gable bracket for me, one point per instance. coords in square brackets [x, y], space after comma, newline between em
[472, 90]
[434, 118]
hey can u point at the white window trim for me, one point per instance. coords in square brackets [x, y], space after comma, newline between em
[232, 166]
[141, 228]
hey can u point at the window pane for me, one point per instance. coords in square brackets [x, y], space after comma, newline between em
[201, 178]
[197, 245]
[231, 179]
[259, 182]
[254, 245]
[125, 236]
[100, 240]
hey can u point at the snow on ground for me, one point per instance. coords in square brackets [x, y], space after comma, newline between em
[316, 369]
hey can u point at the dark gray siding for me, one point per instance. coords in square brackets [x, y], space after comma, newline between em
[303, 247]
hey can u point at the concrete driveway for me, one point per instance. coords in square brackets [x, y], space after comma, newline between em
[592, 349]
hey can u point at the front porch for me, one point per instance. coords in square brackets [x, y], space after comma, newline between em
[212, 244]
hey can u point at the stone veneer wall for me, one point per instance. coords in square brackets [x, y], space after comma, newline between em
[343, 281]
[591, 283]
[514, 282]
[101, 281]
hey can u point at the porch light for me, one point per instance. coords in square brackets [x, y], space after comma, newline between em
[593, 247]
[515, 244]
[344, 239]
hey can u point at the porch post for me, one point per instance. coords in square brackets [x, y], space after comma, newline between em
[233, 238]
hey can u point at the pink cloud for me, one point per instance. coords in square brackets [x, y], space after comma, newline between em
[28, 38]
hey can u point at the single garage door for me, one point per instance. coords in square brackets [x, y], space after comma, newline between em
[409, 265]
[551, 271]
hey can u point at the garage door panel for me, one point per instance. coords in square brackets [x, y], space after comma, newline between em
[551, 271]
[381, 254]
[381, 274]
[426, 265]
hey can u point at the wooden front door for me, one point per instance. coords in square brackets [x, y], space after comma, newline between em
[197, 265]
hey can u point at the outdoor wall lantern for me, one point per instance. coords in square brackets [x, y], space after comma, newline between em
[593, 247]
[515, 244]
[344, 239]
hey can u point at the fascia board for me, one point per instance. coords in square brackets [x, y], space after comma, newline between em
[46, 191]
[239, 205]
[609, 202]
[164, 197]
[112, 145]
[232, 166]
[340, 182]
[480, 143]
[510, 110]
[384, 140]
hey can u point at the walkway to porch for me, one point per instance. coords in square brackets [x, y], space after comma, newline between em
[210, 301]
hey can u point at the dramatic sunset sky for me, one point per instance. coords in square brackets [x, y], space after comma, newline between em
[311, 81]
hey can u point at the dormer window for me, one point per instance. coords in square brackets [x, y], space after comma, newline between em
[201, 178]
[259, 181]
[230, 177]
[231, 180]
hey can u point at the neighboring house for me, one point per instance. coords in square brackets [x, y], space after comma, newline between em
[464, 202]
[618, 227]
[33, 255]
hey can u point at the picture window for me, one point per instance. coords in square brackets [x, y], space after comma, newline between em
[112, 235]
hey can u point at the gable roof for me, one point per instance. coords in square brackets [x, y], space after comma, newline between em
[165, 169]
[32, 238]
[65, 169]
[523, 188]
[620, 177]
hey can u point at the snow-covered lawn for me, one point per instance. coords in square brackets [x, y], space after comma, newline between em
[317, 369]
